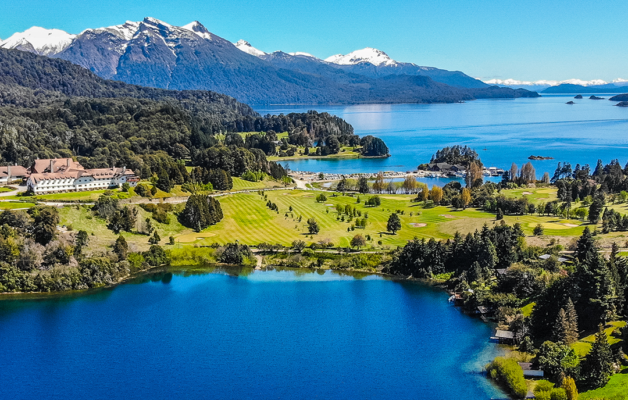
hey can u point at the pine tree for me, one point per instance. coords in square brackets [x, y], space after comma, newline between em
[155, 239]
[561, 328]
[585, 246]
[599, 361]
[121, 248]
[500, 214]
[572, 319]
[570, 388]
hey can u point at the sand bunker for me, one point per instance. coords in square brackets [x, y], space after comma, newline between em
[446, 216]
[526, 193]
[329, 205]
[572, 225]
[191, 237]
[417, 225]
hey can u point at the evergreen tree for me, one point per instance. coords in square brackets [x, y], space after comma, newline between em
[394, 223]
[599, 361]
[163, 181]
[561, 328]
[155, 239]
[312, 226]
[572, 320]
[121, 248]
[595, 210]
[585, 246]
[500, 214]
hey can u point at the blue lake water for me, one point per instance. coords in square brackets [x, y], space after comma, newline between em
[510, 130]
[279, 334]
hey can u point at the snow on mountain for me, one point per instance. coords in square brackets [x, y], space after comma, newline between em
[247, 48]
[366, 55]
[300, 53]
[548, 83]
[125, 31]
[39, 40]
[199, 29]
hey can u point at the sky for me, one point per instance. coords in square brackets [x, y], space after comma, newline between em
[524, 40]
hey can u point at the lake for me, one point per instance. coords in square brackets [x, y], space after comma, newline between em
[510, 130]
[234, 335]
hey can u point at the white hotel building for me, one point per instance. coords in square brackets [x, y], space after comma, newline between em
[66, 175]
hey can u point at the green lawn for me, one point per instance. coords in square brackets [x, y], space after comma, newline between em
[4, 189]
[534, 195]
[241, 184]
[11, 205]
[615, 389]
[583, 346]
[345, 152]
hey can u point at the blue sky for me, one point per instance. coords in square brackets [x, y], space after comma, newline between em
[526, 40]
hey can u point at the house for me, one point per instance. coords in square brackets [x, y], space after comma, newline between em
[504, 337]
[66, 175]
[11, 173]
[528, 372]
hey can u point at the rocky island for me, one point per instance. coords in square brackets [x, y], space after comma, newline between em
[578, 96]
[622, 104]
[537, 158]
[570, 102]
[593, 97]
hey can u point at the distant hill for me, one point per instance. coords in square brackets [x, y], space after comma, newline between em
[153, 53]
[574, 89]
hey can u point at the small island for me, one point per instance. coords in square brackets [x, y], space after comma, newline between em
[622, 104]
[537, 158]
[594, 97]
[578, 96]
[570, 102]
[620, 97]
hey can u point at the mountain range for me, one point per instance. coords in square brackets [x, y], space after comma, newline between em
[156, 54]
[542, 85]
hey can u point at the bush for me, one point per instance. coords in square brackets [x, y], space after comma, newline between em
[235, 254]
[510, 374]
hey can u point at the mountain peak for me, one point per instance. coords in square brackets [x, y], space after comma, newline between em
[247, 48]
[157, 22]
[43, 41]
[199, 29]
[366, 55]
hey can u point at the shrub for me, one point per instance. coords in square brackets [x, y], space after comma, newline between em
[510, 374]
[235, 254]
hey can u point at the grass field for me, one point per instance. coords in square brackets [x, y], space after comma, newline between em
[13, 205]
[583, 346]
[248, 220]
[615, 389]
[345, 152]
[241, 184]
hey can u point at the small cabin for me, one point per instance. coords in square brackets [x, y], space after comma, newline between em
[504, 337]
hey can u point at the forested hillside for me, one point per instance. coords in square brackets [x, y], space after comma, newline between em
[52, 108]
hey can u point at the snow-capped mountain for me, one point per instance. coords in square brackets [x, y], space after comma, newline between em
[598, 85]
[247, 48]
[39, 41]
[366, 55]
[157, 54]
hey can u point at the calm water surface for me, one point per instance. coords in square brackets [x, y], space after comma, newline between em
[279, 334]
[510, 130]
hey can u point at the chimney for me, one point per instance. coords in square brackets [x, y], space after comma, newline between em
[68, 163]
[124, 169]
[52, 166]
[8, 173]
